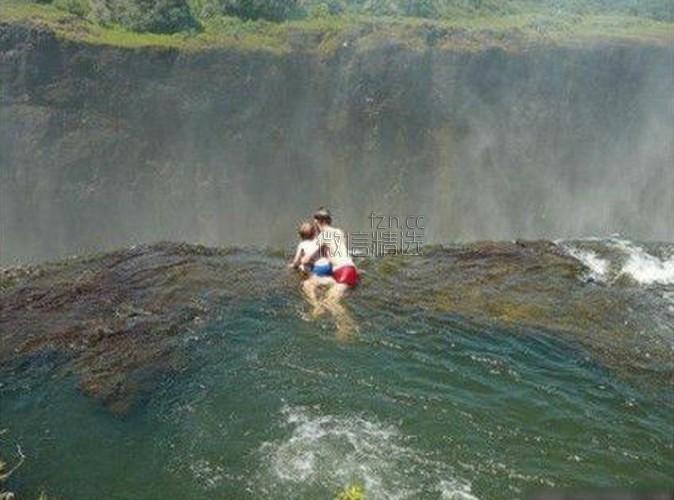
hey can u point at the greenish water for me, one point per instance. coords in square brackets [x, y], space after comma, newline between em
[419, 405]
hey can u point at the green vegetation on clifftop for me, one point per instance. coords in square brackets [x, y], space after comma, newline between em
[510, 26]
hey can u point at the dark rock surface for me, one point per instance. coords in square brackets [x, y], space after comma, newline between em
[118, 321]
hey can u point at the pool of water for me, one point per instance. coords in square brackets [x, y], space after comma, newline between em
[268, 405]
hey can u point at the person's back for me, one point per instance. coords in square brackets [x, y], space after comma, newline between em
[308, 249]
[334, 241]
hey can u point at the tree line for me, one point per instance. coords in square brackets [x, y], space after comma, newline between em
[171, 16]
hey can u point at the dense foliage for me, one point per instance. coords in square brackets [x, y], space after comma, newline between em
[170, 16]
[272, 10]
[156, 16]
[656, 9]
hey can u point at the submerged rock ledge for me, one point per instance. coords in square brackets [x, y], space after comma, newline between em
[118, 320]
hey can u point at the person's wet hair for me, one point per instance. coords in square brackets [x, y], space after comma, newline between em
[306, 230]
[323, 215]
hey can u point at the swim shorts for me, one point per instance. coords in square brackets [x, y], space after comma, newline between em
[346, 275]
[322, 268]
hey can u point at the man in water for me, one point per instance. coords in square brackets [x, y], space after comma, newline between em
[332, 241]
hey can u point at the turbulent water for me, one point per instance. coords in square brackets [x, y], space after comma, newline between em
[481, 371]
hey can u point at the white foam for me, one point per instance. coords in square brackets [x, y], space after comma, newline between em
[209, 475]
[597, 266]
[450, 490]
[644, 268]
[324, 453]
[632, 260]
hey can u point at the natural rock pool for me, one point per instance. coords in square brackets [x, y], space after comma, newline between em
[488, 370]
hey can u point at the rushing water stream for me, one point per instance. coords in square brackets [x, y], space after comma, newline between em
[418, 403]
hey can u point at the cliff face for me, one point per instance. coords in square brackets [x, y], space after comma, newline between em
[103, 146]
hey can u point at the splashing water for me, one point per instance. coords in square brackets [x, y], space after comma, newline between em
[644, 268]
[597, 266]
[324, 450]
[620, 258]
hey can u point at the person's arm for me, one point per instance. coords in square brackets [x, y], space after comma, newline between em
[309, 257]
[297, 259]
